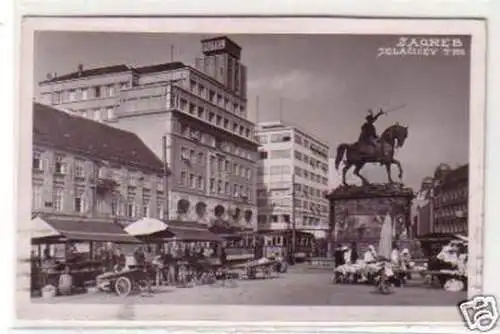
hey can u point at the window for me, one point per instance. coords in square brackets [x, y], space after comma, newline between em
[97, 92]
[226, 123]
[56, 97]
[212, 185]
[199, 183]
[192, 108]
[131, 210]
[247, 132]
[211, 96]
[79, 204]
[58, 200]
[298, 155]
[37, 197]
[192, 85]
[227, 188]
[280, 154]
[84, 94]
[145, 209]
[110, 90]
[262, 139]
[79, 168]
[110, 113]
[201, 112]
[280, 137]
[72, 95]
[227, 165]
[211, 116]
[235, 127]
[60, 166]
[37, 161]
[192, 181]
[97, 114]
[114, 206]
[184, 178]
[160, 213]
[201, 158]
[201, 90]
[124, 85]
[263, 155]
[219, 187]
[183, 104]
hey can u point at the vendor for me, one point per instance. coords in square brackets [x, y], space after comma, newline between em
[65, 282]
[448, 256]
[370, 255]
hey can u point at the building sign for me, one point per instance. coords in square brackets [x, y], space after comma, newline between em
[214, 45]
[219, 46]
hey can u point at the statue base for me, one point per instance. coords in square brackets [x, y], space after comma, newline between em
[357, 213]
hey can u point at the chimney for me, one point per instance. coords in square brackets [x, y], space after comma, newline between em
[80, 69]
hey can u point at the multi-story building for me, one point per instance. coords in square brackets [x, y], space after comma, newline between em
[88, 170]
[450, 201]
[446, 209]
[290, 156]
[210, 144]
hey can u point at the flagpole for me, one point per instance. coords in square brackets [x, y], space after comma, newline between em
[293, 218]
[165, 178]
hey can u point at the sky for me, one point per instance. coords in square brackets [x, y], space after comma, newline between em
[326, 84]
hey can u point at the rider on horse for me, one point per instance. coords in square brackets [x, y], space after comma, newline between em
[368, 131]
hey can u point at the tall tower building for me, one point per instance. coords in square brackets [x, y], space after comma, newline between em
[211, 148]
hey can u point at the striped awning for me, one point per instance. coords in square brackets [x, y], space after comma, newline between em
[61, 230]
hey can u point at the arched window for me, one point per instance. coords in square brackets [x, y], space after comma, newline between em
[183, 206]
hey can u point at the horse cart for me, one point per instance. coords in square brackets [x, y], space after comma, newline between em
[122, 282]
[264, 267]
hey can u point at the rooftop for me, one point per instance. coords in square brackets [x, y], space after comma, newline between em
[282, 125]
[83, 73]
[64, 131]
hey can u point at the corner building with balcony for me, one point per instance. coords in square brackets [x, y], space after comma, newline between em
[290, 156]
[81, 171]
[210, 144]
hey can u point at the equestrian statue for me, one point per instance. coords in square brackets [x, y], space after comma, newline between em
[372, 149]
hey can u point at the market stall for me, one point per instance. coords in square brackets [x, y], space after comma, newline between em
[189, 247]
[67, 248]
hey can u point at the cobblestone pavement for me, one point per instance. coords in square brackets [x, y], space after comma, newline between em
[312, 288]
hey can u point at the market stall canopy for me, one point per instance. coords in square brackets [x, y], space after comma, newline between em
[191, 231]
[60, 230]
[461, 237]
[151, 228]
[146, 226]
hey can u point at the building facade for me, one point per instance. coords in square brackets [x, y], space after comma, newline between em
[446, 209]
[81, 170]
[290, 156]
[210, 144]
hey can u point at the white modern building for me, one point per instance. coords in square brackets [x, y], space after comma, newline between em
[290, 156]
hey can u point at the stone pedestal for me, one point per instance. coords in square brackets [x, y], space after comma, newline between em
[357, 213]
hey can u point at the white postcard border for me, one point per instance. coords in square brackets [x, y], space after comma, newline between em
[148, 313]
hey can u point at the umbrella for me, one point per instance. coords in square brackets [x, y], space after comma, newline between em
[146, 226]
[385, 243]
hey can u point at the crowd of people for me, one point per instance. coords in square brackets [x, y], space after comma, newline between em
[170, 263]
[353, 265]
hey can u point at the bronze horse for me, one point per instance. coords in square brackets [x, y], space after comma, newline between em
[358, 154]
